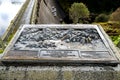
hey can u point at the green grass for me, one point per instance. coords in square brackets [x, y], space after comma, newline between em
[7, 42]
[111, 27]
[114, 28]
[1, 51]
[10, 37]
[115, 39]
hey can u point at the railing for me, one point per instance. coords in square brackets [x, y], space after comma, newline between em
[34, 13]
[14, 23]
[21, 18]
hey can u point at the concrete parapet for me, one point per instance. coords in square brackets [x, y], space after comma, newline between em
[60, 73]
[15, 22]
[32, 71]
[34, 12]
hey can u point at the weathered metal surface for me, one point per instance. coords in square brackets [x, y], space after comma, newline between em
[60, 44]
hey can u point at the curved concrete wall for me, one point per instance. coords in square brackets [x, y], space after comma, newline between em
[49, 12]
[45, 14]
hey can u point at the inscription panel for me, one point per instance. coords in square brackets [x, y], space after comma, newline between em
[95, 54]
[59, 54]
[62, 43]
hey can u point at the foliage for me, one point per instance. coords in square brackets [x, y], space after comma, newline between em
[10, 37]
[1, 51]
[118, 45]
[115, 39]
[78, 11]
[115, 16]
[111, 28]
[95, 6]
[102, 18]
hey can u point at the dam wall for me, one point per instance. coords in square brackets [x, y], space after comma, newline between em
[49, 12]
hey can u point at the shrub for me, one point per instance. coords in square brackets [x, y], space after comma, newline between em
[115, 16]
[118, 45]
[116, 40]
[78, 12]
[102, 18]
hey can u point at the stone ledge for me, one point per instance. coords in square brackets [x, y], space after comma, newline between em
[60, 73]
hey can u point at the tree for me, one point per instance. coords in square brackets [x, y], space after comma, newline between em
[78, 12]
[102, 18]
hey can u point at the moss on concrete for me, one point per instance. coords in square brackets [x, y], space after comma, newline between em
[60, 73]
[1, 51]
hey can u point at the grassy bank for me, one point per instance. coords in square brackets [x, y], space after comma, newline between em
[115, 39]
[113, 30]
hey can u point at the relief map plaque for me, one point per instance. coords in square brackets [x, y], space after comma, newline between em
[60, 43]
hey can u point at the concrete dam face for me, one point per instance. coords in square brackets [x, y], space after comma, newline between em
[49, 12]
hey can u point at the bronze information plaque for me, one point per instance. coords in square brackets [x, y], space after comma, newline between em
[60, 43]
